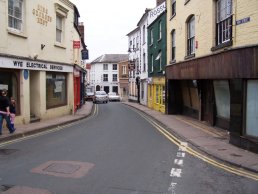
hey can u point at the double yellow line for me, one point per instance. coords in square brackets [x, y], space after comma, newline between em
[194, 153]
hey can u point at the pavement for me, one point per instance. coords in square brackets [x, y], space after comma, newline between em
[213, 141]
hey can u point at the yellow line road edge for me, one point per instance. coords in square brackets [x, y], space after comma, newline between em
[189, 150]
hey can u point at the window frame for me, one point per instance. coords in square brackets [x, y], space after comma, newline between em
[105, 67]
[59, 29]
[14, 18]
[114, 78]
[114, 67]
[191, 36]
[173, 8]
[224, 21]
[173, 45]
[105, 77]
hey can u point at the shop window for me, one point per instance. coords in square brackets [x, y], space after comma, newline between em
[222, 98]
[9, 81]
[56, 90]
[252, 108]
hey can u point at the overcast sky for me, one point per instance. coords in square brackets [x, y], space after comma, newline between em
[107, 23]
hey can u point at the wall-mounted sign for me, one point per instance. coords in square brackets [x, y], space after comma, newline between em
[41, 14]
[76, 44]
[242, 21]
[33, 65]
[154, 13]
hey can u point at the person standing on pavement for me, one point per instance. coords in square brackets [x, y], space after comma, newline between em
[5, 111]
[12, 112]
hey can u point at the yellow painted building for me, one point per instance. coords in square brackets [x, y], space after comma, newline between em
[156, 94]
[211, 67]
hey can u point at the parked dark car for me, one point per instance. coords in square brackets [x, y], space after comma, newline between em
[100, 96]
[89, 95]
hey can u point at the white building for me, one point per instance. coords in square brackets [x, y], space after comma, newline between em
[104, 72]
[134, 64]
[143, 24]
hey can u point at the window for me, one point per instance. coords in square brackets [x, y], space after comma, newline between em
[114, 77]
[133, 43]
[151, 36]
[124, 69]
[15, 14]
[105, 77]
[59, 28]
[144, 62]
[158, 58]
[137, 42]
[173, 45]
[173, 8]
[191, 36]
[105, 66]
[143, 34]
[151, 63]
[56, 85]
[224, 21]
[160, 30]
[114, 66]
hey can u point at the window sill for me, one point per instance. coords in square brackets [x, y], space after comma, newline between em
[172, 62]
[186, 1]
[223, 45]
[17, 33]
[57, 44]
[174, 15]
[189, 56]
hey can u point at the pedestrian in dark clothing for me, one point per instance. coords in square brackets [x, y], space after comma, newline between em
[5, 111]
[12, 112]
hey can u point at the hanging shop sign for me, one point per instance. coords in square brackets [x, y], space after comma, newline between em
[33, 65]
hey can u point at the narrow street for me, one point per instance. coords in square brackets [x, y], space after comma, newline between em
[115, 151]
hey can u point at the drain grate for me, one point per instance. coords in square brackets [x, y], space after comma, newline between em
[5, 152]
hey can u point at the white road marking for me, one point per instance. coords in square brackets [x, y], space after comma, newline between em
[175, 172]
[179, 162]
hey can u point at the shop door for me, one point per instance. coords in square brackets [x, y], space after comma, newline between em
[208, 102]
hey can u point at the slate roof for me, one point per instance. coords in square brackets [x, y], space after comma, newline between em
[111, 58]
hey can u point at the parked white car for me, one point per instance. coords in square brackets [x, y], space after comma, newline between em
[112, 96]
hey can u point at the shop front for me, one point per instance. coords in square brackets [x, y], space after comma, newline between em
[221, 90]
[156, 94]
[41, 89]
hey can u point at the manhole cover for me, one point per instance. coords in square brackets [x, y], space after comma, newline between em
[62, 168]
[4, 152]
[66, 169]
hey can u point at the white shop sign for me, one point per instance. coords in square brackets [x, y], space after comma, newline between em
[33, 65]
[154, 13]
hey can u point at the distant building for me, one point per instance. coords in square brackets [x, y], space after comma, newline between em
[123, 79]
[104, 72]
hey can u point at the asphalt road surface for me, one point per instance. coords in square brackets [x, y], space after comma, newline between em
[115, 151]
